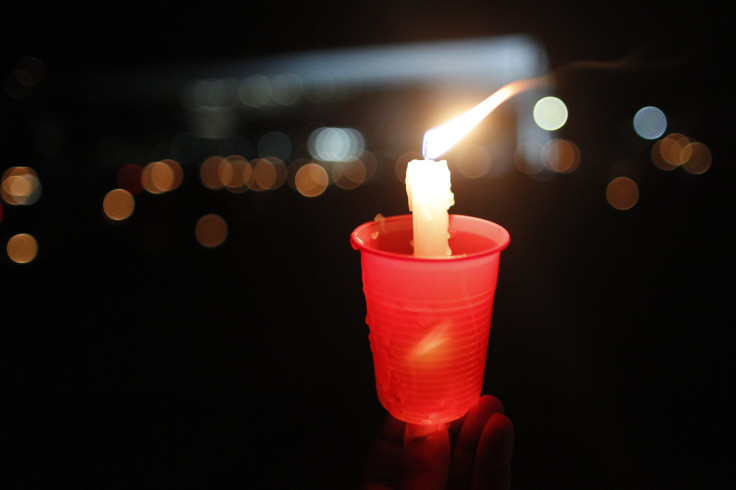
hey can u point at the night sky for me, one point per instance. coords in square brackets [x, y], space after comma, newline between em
[133, 356]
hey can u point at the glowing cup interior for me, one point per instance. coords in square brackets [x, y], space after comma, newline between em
[429, 318]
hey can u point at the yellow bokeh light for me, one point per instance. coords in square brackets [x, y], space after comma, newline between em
[211, 230]
[118, 204]
[311, 180]
[550, 113]
[22, 248]
[622, 193]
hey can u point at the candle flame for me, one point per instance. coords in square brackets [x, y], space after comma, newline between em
[438, 140]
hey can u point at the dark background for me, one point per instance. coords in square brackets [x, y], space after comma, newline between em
[133, 357]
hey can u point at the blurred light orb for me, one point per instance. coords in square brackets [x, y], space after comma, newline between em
[528, 157]
[349, 175]
[22, 248]
[235, 172]
[118, 204]
[622, 193]
[20, 186]
[274, 144]
[161, 176]
[335, 144]
[650, 122]
[671, 151]
[550, 113]
[129, 178]
[255, 91]
[472, 161]
[265, 175]
[311, 180]
[211, 230]
[561, 156]
[287, 89]
[699, 158]
[209, 173]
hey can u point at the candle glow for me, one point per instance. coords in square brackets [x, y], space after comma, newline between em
[439, 140]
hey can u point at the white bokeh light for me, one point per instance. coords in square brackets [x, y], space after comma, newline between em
[550, 113]
[650, 122]
[336, 144]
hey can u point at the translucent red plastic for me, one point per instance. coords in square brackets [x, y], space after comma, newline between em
[429, 318]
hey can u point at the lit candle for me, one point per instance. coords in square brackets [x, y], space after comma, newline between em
[429, 310]
[428, 189]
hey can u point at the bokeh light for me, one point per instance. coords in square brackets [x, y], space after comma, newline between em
[311, 180]
[349, 175]
[336, 144]
[129, 178]
[699, 158]
[211, 230]
[20, 186]
[622, 193]
[118, 204]
[234, 173]
[286, 89]
[275, 144]
[550, 113]
[528, 157]
[561, 156]
[22, 248]
[471, 161]
[161, 176]
[209, 173]
[671, 151]
[255, 91]
[650, 122]
[267, 174]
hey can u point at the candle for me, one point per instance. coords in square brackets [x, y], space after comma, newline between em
[429, 307]
[428, 190]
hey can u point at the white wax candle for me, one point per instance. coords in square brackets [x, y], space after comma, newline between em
[428, 190]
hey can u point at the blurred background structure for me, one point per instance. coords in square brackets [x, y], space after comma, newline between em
[181, 307]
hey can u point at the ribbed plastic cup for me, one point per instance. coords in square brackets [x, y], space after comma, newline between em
[429, 318]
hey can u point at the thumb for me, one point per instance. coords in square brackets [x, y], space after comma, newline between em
[426, 457]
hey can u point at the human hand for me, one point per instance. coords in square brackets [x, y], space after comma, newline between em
[473, 452]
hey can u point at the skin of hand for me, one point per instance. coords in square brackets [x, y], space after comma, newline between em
[473, 452]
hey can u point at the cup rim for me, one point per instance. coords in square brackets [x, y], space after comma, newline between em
[359, 244]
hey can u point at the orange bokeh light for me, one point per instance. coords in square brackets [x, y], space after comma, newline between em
[209, 173]
[118, 204]
[22, 248]
[311, 180]
[561, 156]
[20, 186]
[211, 230]
[622, 193]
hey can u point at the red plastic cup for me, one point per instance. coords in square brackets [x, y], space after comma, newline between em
[429, 318]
